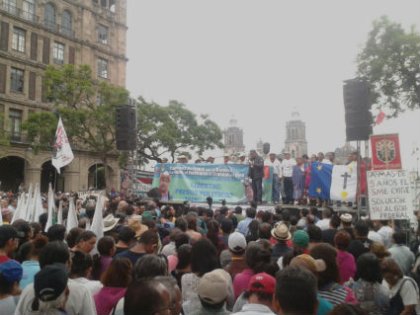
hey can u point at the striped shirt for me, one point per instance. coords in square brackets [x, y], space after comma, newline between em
[335, 294]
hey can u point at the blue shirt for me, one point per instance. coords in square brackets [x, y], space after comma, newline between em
[30, 268]
[243, 226]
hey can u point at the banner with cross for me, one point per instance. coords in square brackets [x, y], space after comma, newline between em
[344, 183]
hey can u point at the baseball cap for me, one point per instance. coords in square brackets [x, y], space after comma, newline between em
[11, 271]
[213, 286]
[236, 242]
[50, 282]
[300, 238]
[262, 282]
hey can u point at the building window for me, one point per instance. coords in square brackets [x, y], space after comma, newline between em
[102, 68]
[15, 123]
[18, 40]
[102, 34]
[10, 6]
[58, 53]
[16, 80]
[49, 17]
[67, 23]
[28, 10]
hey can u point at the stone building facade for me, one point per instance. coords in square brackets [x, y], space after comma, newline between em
[296, 143]
[37, 33]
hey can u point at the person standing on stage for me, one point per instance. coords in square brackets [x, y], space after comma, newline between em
[287, 168]
[277, 174]
[256, 173]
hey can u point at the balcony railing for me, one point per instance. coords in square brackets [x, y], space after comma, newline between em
[14, 10]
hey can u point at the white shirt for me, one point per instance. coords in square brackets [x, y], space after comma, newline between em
[323, 224]
[93, 286]
[287, 167]
[80, 301]
[277, 170]
[255, 309]
[386, 233]
[408, 295]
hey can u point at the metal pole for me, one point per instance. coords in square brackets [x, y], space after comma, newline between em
[359, 162]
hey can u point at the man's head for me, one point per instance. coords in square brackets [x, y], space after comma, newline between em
[149, 239]
[299, 161]
[8, 239]
[251, 212]
[320, 156]
[287, 156]
[331, 156]
[226, 159]
[296, 292]
[165, 180]
[253, 154]
[399, 238]
[148, 297]
[361, 229]
[272, 156]
[56, 232]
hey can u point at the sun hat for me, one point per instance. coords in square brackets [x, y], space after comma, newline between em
[281, 232]
[346, 217]
[110, 222]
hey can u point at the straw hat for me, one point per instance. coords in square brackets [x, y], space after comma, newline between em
[110, 222]
[281, 232]
[134, 222]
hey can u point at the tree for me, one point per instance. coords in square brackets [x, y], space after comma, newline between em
[86, 106]
[173, 129]
[390, 62]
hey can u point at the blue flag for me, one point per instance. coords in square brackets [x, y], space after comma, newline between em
[320, 181]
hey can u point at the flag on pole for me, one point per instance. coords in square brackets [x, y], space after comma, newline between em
[344, 183]
[63, 155]
[50, 208]
[60, 213]
[30, 206]
[320, 181]
[97, 226]
[72, 221]
[380, 118]
[39, 209]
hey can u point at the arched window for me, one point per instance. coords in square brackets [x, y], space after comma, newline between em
[67, 23]
[49, 16]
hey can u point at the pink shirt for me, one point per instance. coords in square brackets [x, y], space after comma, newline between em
[107, 298]
[346, 265]
[241, 281]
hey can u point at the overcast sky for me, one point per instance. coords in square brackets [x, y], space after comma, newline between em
[258, 60]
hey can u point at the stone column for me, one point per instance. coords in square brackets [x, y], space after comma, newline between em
[32, 176]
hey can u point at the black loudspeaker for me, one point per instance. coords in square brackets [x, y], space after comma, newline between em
[266, 148]
[125, 128]
[357, 105]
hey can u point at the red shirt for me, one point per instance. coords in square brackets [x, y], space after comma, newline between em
[3, 259]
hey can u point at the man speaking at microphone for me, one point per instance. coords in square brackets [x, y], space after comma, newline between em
[256, 173]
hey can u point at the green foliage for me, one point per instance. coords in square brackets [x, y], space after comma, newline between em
[89, 124]
[4, 137]
[173, 129]
[390, 61]
[40, 127]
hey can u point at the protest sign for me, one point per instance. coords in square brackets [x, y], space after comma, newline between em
[385, 152]
[390, 195]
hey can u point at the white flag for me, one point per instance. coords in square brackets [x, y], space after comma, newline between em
[97, 226]
[344, 183]
[50, 208]
[72, 221]
[63, 155]
[60, 213]
[39, 209]
[30, 206]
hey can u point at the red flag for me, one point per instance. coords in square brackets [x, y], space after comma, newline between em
[380, 118]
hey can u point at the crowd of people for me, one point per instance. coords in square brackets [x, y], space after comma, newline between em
[164, 259]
